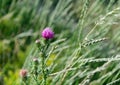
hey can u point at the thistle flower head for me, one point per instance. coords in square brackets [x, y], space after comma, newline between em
[47, 33]
[23, 73]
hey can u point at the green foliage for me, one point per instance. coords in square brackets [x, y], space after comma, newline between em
[86, 44]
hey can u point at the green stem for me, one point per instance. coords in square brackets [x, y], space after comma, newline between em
[43, 61]
[43, 70]
[35, 78]
[26, 83]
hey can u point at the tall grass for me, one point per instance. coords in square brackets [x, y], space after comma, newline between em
[85, 50]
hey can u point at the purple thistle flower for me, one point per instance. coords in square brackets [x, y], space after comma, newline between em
[47, 33]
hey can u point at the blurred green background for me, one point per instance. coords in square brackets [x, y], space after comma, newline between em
[21, 22]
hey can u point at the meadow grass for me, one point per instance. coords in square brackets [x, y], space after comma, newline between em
[84, 51]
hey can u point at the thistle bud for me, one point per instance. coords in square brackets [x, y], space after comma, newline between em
[37, 41]
[36, 61]
[23, 73]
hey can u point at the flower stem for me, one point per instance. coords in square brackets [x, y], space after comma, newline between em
[44, 56]
[44, 70]
[35, 78]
